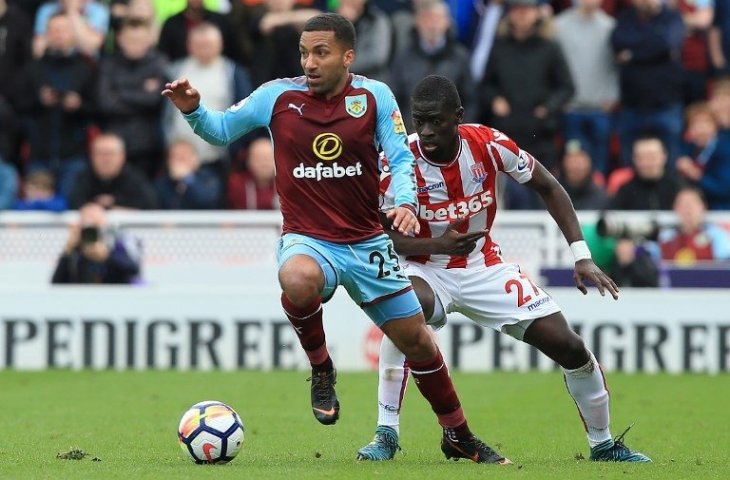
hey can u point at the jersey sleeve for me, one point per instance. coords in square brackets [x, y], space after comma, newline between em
[720, 242]
[391, 135]
[387, 196]
[514, 161]
[222, 128]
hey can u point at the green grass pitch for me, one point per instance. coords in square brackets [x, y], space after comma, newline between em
[129, 419]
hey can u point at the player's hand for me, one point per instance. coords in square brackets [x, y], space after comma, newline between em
[182, 95]
[452, 242]
[403, 220]
[587, 270]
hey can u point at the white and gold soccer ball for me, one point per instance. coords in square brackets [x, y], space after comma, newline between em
[211, 432]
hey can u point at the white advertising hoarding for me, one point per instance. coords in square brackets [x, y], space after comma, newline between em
[244, 327]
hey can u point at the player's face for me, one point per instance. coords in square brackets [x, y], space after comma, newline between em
[437, 128]
[325, 62]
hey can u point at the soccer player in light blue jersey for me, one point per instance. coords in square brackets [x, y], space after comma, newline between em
[327, 128]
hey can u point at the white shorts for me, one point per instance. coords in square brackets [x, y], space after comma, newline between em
[498, 297]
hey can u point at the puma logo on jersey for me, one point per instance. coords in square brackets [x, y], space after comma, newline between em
[298, 109]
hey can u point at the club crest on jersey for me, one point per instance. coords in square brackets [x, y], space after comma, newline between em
[478, 172]
[356, 105]
[238, 105]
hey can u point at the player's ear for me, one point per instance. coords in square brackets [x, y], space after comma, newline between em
[349, 57]
[460, 115]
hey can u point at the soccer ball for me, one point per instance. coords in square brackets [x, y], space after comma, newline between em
[211, 432]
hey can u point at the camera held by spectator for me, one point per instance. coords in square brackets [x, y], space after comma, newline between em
[634, 265]
[609, 225]
[95, 253]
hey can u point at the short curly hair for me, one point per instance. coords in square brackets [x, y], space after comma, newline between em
[333, 22]
[435, 88]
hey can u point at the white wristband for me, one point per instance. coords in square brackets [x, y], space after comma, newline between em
[580, 250]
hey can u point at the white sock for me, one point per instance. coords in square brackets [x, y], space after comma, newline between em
[588, 388]
[392, 381]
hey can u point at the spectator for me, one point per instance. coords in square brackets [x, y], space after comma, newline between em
[584, 33]
[132, 11]
[697, 16]
[89, 21]
[718, 38]
[402, 21]
[466, 18]
[129, 96]
[95, 253]
[719, 102]
[219, 79]
[434, 50]
[15, 53]
[693, 239]
[175, 31]
[375, 38]
[525, 98]
[487, 26]
[578, 180]
[184, 186]
[635, 266]
[8, 185]
[56, 93]
[39, 193]
[707, 163]
[167, 8]
[270, 37]
[647, 42]
[652, 187]
[109, 181]
[254, 189]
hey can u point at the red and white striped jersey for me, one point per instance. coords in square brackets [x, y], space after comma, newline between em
[464, 187]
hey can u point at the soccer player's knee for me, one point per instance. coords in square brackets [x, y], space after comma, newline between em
[576, 351]
[300, 293]
[418, 346]
[301, 285]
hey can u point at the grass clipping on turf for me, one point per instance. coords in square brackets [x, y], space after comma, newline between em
[75, 454]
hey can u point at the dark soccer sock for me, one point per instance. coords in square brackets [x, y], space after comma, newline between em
[432, 379]
[307, 322]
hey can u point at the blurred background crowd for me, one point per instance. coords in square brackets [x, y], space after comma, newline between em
[627, 102]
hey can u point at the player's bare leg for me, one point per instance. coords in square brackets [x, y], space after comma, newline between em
[301, 280]
[412, 337]
[586, 384]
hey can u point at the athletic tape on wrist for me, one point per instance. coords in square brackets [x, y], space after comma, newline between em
[580, 250]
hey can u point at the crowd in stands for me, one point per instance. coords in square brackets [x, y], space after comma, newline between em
[626, 101]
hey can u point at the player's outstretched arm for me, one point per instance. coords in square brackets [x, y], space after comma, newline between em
[183, 95]
[561, 209]
[450, 243]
